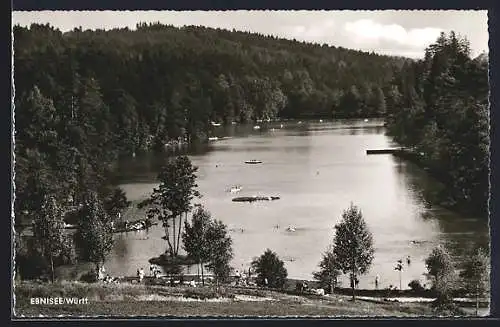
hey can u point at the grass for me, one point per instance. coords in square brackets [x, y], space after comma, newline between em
[142, 300]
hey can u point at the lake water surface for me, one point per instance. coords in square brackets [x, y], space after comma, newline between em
[317, 169]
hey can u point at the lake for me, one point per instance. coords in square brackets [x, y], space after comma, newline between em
[317, 169]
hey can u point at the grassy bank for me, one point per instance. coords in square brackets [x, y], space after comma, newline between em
[132, 300]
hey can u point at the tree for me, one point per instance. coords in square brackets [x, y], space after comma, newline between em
[172, 199]
[206, 240]
[329, 271]
[438, 107]
[269, 267]
[94, 234]
[220, 251]
[441, 271]
[48, 229]
[115, 202]
[353, 244]
[380, 104]
[476, 275]
[195, 237]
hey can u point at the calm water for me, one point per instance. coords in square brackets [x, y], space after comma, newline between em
[317, 169]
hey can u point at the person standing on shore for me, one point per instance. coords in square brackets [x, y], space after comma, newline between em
[377, 280]
[408, 260]
[140, 274]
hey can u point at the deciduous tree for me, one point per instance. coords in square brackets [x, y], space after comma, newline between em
[271, 268]
[353, 245]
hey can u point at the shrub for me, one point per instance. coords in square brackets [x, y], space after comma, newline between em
[416, 286]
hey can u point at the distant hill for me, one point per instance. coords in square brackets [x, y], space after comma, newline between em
[244, 75]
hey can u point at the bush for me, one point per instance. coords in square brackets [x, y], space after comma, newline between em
[416, 286]
[89, 277]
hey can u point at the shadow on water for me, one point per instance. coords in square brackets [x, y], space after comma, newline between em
[460, 234]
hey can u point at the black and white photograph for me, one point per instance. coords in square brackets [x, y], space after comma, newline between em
[250, 163]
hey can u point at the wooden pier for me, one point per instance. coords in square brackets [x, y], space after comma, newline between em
[385, 151]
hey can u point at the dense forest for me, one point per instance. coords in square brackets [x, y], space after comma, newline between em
[438, 107]
[83, 98]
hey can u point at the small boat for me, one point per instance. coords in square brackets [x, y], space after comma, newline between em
[256, 127]
[281, 126]
[215, 124]
[213, 138]
[321, 120]
[290, 229]
[259, 120]
[253, 161]
[366, 120]
[233, 123]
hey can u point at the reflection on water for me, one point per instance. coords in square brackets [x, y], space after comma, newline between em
[317, 169]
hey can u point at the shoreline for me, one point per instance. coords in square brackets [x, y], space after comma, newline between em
[457, 207]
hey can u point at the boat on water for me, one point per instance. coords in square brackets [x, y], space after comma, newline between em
[253, 161]
[213, 138]
[290, 229]
[215, 124]
[321, 120]
[366, 120]
[256, 127]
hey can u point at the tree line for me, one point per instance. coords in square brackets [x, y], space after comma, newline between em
[160, 82]
[438, 107]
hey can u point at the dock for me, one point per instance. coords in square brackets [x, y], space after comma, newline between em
[385, 151]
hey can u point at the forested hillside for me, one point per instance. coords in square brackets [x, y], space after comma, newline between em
[84, 97]
[159, 82]
[439, 108]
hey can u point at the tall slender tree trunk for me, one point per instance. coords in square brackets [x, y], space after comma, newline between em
[477, 300]
[353, 286]
[198, 271]
[52, 269]
[180, 230]
[167, 236]
[175, 248]
[202, 276]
